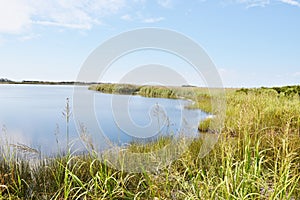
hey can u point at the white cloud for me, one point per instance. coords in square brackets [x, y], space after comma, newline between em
[254, 3]
[139, 16]
[140, 1]
[16, 16]
[29, 37]
[153, 19]
[296, 74]
[291, 2]
[78, 14]
[126, 17]
[165, 3]
[263, 3]
[64, 25]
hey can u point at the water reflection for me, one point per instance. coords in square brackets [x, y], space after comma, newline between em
[32, 115]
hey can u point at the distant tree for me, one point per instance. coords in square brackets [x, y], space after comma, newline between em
[5, 80]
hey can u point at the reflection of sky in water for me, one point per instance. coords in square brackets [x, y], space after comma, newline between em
[31, 114]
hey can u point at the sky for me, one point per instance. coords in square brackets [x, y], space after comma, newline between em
[252, 43]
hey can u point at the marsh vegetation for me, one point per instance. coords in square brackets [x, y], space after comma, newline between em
[257, 157]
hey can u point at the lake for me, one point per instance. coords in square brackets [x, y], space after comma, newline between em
[32, 115]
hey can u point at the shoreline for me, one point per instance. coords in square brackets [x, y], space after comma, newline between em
[47, 83]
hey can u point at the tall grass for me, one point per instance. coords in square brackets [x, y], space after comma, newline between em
[257, 157]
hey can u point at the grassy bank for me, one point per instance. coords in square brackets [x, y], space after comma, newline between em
[257, 157]
[146, 91]
[200, 95]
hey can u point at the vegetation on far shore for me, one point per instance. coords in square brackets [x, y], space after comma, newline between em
[7, 81]
[257, 156]
[199, 95]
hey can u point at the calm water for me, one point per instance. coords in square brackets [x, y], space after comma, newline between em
[32, 115]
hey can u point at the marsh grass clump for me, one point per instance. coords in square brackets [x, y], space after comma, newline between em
[116, 88]
[204, 125]
[158, 91]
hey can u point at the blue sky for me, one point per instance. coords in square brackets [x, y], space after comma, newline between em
[252, 42]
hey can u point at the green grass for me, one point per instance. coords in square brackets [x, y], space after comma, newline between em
[200, 96]
[257, 156]
[204, 125]
[115, 88]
